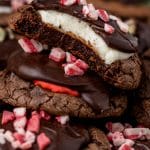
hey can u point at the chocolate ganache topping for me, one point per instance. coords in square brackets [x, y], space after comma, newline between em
[39, 67]
[121, 41]
[6, 49]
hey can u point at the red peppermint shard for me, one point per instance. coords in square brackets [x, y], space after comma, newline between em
[103, 15]
[108, 28]
[34, 123]
[19, 112]
[7, 116]
[67, 2]
[70, 58]
[57, 55]
[19, 137]
[43, 141]
[125, 147]
[82, 2]
[45, 115]
[81, 64]
[73, 70]
[30, 46]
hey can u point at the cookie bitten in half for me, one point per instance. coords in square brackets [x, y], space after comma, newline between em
[110, 55]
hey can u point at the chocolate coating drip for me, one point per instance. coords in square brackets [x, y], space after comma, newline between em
[39, 67]
[6, 49]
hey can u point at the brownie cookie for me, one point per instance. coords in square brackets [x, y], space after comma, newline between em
[142, 106]
[18, 92]
[123, 71]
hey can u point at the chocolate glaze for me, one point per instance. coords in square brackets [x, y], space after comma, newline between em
[38, 67]
[119, 40]
[65, 137]
[6, 49]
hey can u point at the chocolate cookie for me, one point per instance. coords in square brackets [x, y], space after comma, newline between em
[142, 106]
[18, 92]
[123, 71]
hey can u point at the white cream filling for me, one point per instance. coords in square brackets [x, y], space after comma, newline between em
[82, 30]
[5, 9]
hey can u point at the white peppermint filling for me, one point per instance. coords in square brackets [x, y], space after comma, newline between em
[5, 9]
[82, 30]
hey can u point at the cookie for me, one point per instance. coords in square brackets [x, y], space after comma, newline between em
[142, 106]
[123, 71]
[18, 92]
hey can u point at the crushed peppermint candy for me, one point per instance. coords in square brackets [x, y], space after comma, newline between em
[34, 123]
[57, 54]
[67, 2]
[19, 112]
[103, 15]
[125, 136]
[73, 70]
[82, 2]
[30, 45]
[62, 119]
[43, 141]
[108, 28]
[70, 58]
[25, 138]
[7, 116]
[123, 26]
[85, 10]
[93, 14]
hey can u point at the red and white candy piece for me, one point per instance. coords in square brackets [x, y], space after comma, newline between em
[19, 112]
[57, 55]
[123, 26]
[82, 2]
[25, 145]
[7, 116]
[118, 139]
[114, 127]
[9, 136]
[70, 58]
[112, 17]
[16, 144]
[20, 122]
[29, 1]
[110, 136]
[136, 133]
[125, 147]
[17, 4]
[93, 14]
[67, 2]
[19, 137]
[129, 142]
[73, 70]
[108, 28]
[45, 115]
[62, 119]
[103, 15]
[43, 141]
[2, 140]
[85, 10]
[34, 123]
[81, 64]
[30, 46]
[30, 137]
